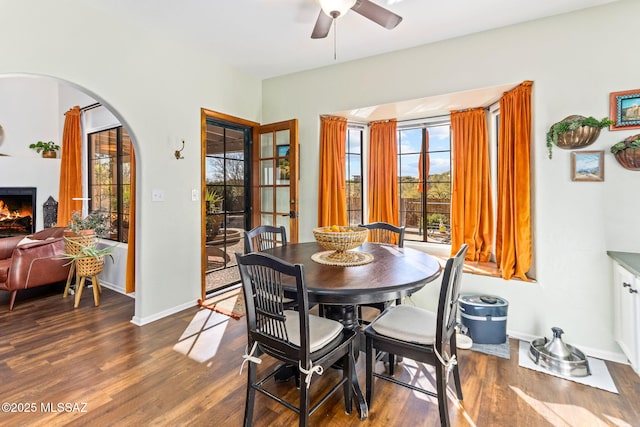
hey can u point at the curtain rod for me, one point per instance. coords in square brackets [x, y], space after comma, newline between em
[91, 106]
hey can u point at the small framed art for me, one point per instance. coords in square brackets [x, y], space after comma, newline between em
[624, 109]
[587, 166]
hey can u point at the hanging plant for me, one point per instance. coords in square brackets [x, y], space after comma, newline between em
[575, 132]
[627, 152]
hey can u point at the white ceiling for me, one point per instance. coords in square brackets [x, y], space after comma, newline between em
[268, 38]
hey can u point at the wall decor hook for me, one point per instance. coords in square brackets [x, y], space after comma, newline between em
[178, 153]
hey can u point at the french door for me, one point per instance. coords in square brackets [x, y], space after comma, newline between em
[275, 182]
[249, 178]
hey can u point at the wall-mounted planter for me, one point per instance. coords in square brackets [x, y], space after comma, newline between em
[577, 138]
[575, 132]
[627, 152]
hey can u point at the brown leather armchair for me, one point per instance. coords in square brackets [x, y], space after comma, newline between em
[32, 264]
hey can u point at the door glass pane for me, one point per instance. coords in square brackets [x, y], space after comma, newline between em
[283, 173]
[266, 145]
[266, 172]
[266, 199]
[282, 199]
[266, 219]
[282, 137]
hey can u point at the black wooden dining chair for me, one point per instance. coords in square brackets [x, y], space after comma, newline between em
[264, 237]
[418, 334]
[310, 342]
[382, 232]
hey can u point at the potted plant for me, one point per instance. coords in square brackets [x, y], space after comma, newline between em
[86, 261]
[83, 231]
[575, 132]
[214, 214]
[48, 149]
[89, 251]
[627, 152]
[95, 223]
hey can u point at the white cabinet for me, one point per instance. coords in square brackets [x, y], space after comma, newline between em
[627, 313]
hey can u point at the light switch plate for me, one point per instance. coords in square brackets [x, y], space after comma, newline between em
[157, 196]
[194, 195]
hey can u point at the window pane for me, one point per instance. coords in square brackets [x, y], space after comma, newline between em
[439, 138]
[425, 206]
[109, 178]
[410, 141]
[353, 175]
[354, 141]
[408, 167]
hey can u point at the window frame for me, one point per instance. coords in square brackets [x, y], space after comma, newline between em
[353, 127]
[423, 125]
[120, 234]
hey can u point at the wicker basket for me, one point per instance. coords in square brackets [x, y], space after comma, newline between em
[340, 241]
[73, 243]
[89, 266]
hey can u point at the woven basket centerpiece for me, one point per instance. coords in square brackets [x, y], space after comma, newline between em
[340, 239]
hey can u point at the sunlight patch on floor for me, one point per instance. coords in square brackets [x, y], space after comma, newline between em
[559, 414]
[201, 339]
[424, 376]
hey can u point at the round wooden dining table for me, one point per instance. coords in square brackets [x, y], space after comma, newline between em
[392, 274]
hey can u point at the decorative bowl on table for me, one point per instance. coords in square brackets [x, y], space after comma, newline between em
[340, 239]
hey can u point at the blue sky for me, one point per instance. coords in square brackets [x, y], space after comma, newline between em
[410, 143]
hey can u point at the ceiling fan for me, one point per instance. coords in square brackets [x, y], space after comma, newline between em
[332, 9]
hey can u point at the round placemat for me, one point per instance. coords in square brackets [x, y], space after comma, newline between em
[351, 258]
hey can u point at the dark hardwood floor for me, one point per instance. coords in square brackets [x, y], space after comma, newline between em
[91, 366]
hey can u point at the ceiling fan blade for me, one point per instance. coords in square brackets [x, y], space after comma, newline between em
[377, 14]
[323, 25]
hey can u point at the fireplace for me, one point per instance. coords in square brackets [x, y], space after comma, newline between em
[17, 211]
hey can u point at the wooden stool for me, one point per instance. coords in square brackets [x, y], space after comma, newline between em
[85, 267]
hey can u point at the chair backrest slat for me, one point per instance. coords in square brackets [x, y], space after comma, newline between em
[448, 300]
[263, 278]
[383, 232]
[264, 237]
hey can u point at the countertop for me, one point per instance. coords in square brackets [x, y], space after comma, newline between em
[629, 260]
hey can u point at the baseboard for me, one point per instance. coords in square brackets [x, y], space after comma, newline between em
[589, 351]
[117, 288]
[140, 321]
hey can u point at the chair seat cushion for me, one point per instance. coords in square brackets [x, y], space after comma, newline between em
[407, 323]
[321, 330]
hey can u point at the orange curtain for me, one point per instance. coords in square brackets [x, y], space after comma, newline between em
[471, 203]
[383, 172]
[70, 167]
[332, 194]
[513, 229]
[130, 284]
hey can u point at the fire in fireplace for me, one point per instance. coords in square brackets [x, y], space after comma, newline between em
[17, 211]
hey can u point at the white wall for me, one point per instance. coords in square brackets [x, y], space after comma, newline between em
[156, 88]
[28, 114]
[575, 61]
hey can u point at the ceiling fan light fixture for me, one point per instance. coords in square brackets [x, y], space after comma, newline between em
[336, 8]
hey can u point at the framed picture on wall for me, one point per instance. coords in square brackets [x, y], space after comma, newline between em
[624, 109]
[587, 166]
